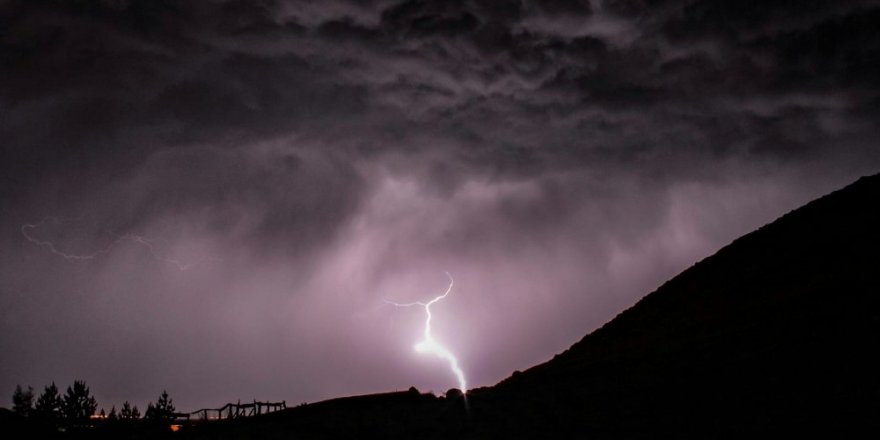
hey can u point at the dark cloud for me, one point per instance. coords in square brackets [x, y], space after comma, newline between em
[307, 159]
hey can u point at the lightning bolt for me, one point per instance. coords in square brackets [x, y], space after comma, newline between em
[431, 346]
[28, 228]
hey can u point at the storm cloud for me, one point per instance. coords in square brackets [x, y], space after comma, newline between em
[254, 178]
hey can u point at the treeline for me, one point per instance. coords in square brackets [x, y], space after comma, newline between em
[78, 405]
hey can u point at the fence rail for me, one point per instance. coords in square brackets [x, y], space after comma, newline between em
[234, 410]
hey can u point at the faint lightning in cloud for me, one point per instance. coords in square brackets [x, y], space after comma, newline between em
[28, 228]
[429, 345]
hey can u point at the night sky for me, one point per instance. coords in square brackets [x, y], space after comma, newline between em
[217, 198]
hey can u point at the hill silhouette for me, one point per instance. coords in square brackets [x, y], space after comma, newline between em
[775, 334]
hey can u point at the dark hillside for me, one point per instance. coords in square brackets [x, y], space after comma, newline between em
[778, 330]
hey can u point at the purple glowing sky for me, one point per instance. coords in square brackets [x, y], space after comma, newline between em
[305, 161]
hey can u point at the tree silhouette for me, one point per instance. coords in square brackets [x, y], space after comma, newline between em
[78, 403]
[162, 410]
[113, 416]
[128, 412]
[150, 413]
[23, 401]
[49, 403]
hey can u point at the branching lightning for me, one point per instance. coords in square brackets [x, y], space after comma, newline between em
[140, 240]
[428, 344]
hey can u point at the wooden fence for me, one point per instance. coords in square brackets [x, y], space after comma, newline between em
[234, 411]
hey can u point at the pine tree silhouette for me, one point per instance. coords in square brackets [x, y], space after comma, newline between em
[23, 401]
[162, 410]
[49, 403]
[128, 412]
[78, 403]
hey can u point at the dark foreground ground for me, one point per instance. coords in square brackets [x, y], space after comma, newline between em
[776, 334]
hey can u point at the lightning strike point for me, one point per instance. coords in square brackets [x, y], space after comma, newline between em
[431, 346]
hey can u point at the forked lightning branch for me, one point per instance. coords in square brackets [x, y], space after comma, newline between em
[428, 344]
